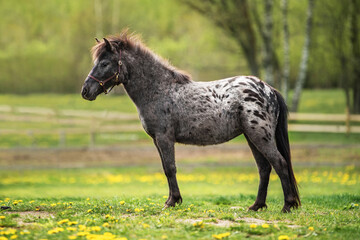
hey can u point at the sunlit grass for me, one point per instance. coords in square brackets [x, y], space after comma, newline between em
[119, 203]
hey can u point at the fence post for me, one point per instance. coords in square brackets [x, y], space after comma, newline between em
[62, 138]
[347, 120]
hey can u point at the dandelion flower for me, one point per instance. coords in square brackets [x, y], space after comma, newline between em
[2, 217]
[311, 228]
[283, 237]
[122, 202]
[63, 221]
[89, 211]
[253, 226]
[221, 235]
[145, 225]
[265, 225]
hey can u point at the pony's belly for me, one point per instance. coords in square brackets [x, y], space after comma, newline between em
[207, 133]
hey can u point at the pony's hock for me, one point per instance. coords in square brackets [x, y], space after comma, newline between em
[173, 108]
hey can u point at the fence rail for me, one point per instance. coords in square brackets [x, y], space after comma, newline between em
[97, 122]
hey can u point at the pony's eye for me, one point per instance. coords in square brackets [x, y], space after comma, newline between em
[104, 64]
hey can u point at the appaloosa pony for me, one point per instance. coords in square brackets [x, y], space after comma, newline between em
[173, 108]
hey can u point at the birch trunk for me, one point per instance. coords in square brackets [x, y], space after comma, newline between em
[286, 66]
[268, 61]
[304, 59]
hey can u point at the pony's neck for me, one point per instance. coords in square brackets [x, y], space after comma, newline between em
[149, 78]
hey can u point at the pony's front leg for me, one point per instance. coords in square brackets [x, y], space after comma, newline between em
[167, 154]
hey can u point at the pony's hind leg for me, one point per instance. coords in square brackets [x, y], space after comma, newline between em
[269, 150]
[264, 168]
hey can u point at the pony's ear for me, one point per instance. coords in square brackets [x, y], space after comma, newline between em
[97, 40]
[108, 46]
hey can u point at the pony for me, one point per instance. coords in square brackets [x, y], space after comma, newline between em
[175, 109]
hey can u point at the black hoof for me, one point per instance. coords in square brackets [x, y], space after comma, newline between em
[257, 206]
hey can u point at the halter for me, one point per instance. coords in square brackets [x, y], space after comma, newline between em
[116, 76]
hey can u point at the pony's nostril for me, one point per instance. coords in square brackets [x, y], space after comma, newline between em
[84, 92]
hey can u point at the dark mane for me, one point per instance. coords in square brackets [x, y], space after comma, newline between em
[131, 41]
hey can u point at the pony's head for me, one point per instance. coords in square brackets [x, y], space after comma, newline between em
[108, 70]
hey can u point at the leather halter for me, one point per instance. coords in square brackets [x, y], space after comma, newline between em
[116, 76]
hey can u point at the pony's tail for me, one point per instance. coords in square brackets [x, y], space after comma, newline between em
[283, 146]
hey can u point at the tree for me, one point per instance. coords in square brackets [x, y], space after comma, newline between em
[286, 65]
[355, 58]
[304, 59]
[268, 46]
[233, 16]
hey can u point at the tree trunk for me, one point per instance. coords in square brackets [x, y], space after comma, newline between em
[286, 66]
[304, 59]
[268, 65]
[355, 45]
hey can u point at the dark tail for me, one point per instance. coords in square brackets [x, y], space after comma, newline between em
[282, 142]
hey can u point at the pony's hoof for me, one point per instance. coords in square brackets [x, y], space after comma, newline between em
[257, 206]
[286, 210]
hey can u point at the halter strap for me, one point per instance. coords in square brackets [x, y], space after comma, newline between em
[116, 76]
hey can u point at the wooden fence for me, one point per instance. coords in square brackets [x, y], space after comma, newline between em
[97, 122]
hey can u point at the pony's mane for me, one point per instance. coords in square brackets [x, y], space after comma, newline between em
[131, 41]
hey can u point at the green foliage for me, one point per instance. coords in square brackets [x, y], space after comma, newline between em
[45, 45]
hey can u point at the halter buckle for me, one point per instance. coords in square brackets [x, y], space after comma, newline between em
[101, 84]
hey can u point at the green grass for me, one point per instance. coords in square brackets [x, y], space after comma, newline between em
[127, 202]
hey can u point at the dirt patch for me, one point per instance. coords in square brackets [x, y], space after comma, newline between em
[30, 217]
[228, 223]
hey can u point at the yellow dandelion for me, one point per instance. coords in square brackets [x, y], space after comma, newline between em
[72, 237]
[82, 234]
[89, 211]
[72, 223]
[96, 228]
[71, 229]
[122, 202]
[14, 237]
[164, 237]
[311, 229]
[145, 225]
[63, 221]
[253, 226]
[221, 235]
[106, 225]
[165, 196]
[2, 217]
[265, 225]
[283, 237]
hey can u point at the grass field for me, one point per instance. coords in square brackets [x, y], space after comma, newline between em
[217, 186]
[126, 203]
